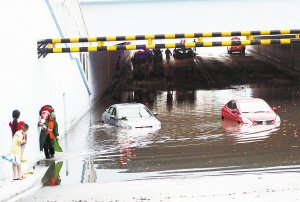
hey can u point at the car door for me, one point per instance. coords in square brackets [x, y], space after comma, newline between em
[112, 116]
[106, 115]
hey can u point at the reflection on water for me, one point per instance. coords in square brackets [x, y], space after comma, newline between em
[89, 173]
[243, 133]
[52, 175]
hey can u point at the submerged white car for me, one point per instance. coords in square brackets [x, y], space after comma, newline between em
[130, 116]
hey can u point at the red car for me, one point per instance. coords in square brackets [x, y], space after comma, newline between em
[251, 111]
[232, 49]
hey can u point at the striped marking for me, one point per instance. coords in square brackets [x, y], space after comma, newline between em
[207, 44]
[245, 33]
[56, 40]
[111, 48]
[226, 43]
[287, 31]
[169, 36]
[265, 32]
[265, 42]
[172, 45]
[56, 50]
[130, 47]
[226, 34]
[189, 45]
[207, 34]
[75, 49]
[92, 49]
[74, 40]
[150, 46]
[285, 41]
[149, 36]
[92, 39]
[130, 38]
[246, 42]
[111, 38]
[189, 35]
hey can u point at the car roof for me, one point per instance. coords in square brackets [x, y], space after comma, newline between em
[235, 38]
[125, 105]
[247, 100]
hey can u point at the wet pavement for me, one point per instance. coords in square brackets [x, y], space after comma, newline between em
[193, 140]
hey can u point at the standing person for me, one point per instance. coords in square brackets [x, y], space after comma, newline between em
[48, 135]
[195, 45]
[19, 140]
[44, 113]
[15, 125]
[168, 54]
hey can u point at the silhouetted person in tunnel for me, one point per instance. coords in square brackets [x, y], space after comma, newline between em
[195, 45]
[168, 55]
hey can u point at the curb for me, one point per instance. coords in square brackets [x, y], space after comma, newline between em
[14, 190]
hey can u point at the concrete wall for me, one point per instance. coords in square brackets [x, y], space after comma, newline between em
[286, 56]
[102, 70]
[27, 82]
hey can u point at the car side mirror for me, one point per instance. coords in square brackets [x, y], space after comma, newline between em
[155, 113]
[124, 118]
[274, 108]
[113, 117]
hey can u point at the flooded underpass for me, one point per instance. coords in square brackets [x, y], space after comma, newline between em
[193, 140]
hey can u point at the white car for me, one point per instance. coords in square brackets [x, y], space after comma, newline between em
[130, 116]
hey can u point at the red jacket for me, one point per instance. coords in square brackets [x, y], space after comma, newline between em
[19, 127]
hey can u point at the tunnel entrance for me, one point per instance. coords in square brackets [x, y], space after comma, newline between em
[207, 71]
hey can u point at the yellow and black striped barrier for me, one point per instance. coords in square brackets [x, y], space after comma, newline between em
[171, 45]
[169, 36]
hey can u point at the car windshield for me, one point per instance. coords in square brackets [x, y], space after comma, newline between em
[254, 107]
[134, 112]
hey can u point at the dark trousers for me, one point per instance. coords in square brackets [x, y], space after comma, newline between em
[48, 147]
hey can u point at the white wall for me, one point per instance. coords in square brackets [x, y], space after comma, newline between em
[27, 82]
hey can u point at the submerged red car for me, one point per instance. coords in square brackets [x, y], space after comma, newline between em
[251, 111]
[240, 49]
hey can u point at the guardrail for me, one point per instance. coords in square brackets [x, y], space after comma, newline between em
[172, 45]
[50, 45]
[168, 36]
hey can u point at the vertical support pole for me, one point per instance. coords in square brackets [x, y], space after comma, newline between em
[297, 36]
[65, 113]
[66, 130]
[100, 43]
[149, 41]
[200, 39]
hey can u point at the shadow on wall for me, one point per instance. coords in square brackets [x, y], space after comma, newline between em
[285, 55]
[103, 67]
